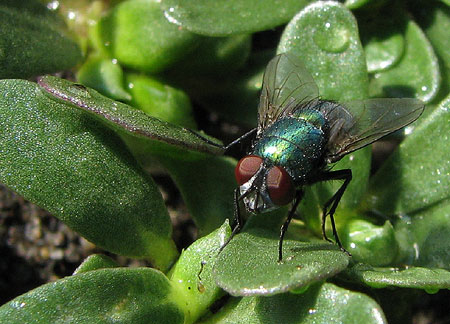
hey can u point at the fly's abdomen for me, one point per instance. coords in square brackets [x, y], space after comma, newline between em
[295, 144]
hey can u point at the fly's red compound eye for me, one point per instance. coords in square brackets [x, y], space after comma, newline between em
[246, 168]
[280, 187]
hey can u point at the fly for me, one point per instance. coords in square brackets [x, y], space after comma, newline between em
[299, 135]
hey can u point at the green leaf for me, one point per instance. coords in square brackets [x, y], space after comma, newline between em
[105, 76]
[119, 295]
[95, 262]
[206, 185]
[421, 278]
[418, 171]
[124, 118]
[434, 18]
[138, 35]
[71, 165]
[325, 36]
[248, 264]
[230, 17]
[369, 243]
[415, 75]
[192, 278]
[324, 303]
[235, 96]
[217, 56]
[364, 4]
[33, 41]
[160, 100]
[206, 182]
[424, 237]
[383, 39]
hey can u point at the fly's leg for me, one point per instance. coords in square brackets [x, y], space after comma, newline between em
[237, 219]
[230, 145]
[345, 175]
[240, 139]
[285, 226]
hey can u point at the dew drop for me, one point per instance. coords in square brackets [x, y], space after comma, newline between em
[169, 16]
[53, 5]
[432, 290]
[408, 130]
[416, 251]
[71, 15]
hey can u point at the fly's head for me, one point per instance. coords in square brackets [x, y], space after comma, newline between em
[263, 187]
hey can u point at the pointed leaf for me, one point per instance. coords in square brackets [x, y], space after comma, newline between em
[70, 164]
[119, 295]
[124, 118]
[95, 262]
[248, 265]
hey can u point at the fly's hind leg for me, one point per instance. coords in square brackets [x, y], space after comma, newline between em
[345, 175]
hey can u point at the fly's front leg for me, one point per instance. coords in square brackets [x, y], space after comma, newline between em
[237, 219]
[240, 139]
[345, 175]
[284, 227]
[227, 147]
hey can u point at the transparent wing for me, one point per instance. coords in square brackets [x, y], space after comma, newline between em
[356, 124]
[286, 85]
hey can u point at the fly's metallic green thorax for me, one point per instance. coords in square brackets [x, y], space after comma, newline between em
[296, 143]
